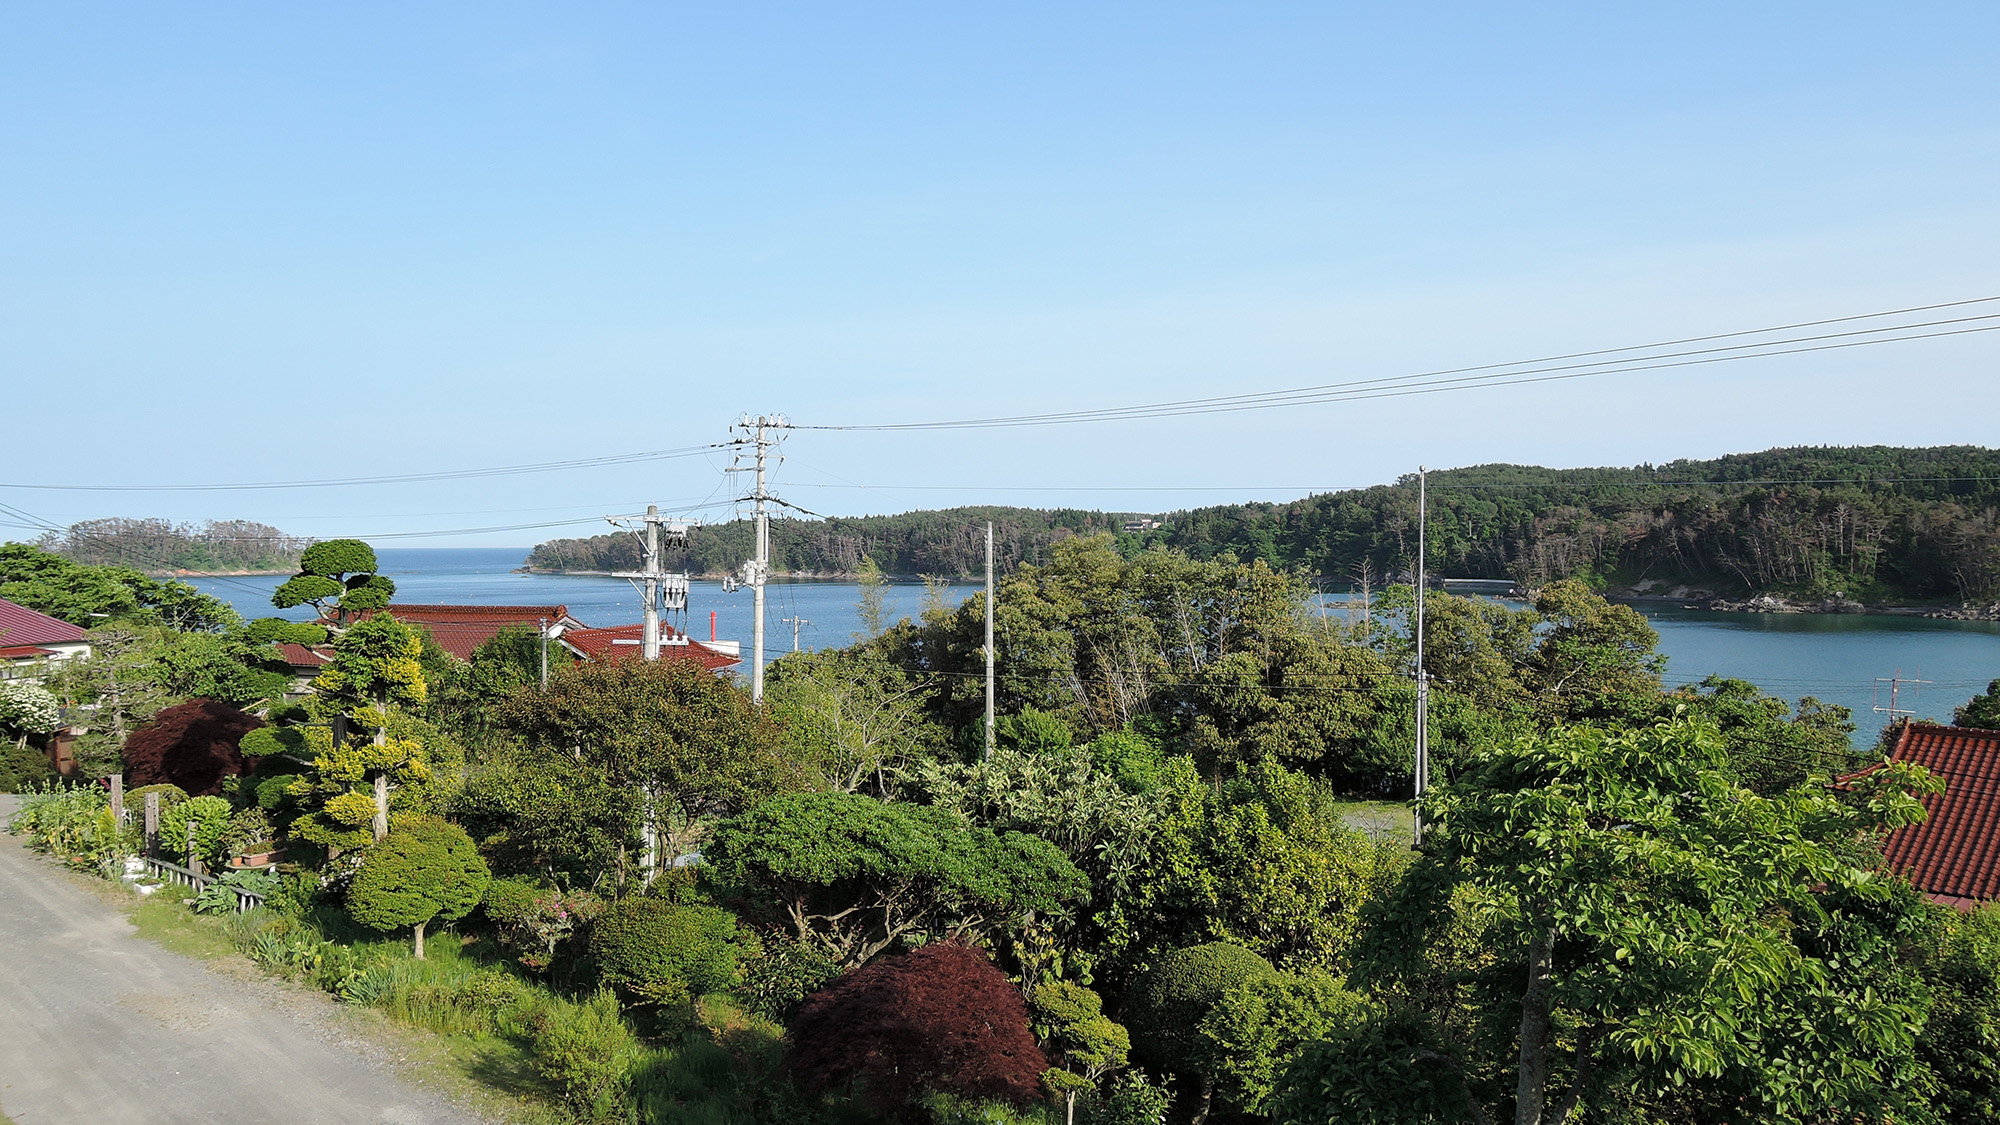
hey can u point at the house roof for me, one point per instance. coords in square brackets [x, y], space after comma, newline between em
[299, 656]
[621, 642]
[1954, 855]
[459, 629]
[20, 625]
[18, 652]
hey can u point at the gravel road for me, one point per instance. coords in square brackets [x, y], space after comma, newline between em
[99, 1025]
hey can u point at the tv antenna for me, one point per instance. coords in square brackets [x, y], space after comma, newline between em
[1895, 683]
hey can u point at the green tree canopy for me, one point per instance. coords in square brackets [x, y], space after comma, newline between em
[426, 870]
[854, 875]
[337, 577]
[1660, 931]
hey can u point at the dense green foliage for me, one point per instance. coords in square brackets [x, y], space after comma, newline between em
[1168, 1003]
[424, 871]
[85, 595]
[338, 578]
[951, 543]
[157, 545]
[1633, 903]
[1982, 710]
[1875, 523]
[665, 954]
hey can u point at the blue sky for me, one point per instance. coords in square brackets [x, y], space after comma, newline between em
[256, 243]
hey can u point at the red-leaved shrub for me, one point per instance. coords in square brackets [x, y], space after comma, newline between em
[941, 1018]
[192, 745]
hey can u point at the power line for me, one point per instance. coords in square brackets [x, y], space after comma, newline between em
[1543, 369]
[401, 478]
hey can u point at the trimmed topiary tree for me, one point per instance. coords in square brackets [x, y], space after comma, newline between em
[426, 870]
[939, 1019]
[337, 578]
[657, 953]
[1167, 1004]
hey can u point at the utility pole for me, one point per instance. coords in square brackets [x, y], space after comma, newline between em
[761, 437]
[543, 632]
[989, 638]
[656, 585]
[796, 623]
[1423, 771]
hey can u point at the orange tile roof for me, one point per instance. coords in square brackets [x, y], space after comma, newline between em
[620, 642]
[1954, 855]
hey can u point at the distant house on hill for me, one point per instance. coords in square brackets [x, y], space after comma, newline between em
[624, 642]
[1954, 855]
[31, 642]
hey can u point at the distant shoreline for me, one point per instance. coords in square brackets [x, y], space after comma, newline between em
[215, 573]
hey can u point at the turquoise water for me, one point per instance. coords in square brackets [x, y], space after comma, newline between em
[1834, 657]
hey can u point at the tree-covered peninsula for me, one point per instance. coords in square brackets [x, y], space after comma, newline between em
[157, 546]
[1874, 524]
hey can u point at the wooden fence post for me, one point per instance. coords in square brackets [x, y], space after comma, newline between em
[118, 799]
[152, 825]
[193, 863]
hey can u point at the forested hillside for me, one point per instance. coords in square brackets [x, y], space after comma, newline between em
[157, 545]
[1877, 524]
[949, 542]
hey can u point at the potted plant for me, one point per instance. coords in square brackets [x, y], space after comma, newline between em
[249, 839]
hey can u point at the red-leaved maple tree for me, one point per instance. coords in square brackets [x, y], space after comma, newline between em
[940, 1018]
[192, 745]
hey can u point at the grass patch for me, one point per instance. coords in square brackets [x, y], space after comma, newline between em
[162, 920]
[1377, 818]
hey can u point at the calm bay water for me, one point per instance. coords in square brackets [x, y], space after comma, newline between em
[1836, 658]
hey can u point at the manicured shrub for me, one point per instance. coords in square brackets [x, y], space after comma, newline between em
[940, 1019]
[210, 817]
[135, 799]
[507, 901]
[272, 791]
[193, 745]
[1168, 1002]
[659, 954]
[424, 871]
[535, 922]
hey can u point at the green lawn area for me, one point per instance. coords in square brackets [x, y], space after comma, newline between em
[1377, 818]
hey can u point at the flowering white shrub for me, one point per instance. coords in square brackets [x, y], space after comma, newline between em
[28, 707]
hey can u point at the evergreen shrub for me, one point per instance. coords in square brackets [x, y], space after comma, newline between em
[1168, 1003]
[659, 954]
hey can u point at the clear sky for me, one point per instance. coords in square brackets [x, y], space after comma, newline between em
[255, 242]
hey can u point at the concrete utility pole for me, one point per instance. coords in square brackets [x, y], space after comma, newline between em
[761, 432]
[1423, 763]
[656, 586]
[796, 623]
[544, 633]
[989, 638]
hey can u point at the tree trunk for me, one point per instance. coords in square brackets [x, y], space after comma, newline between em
[1207, 1101]
[1533, 1089]
[1069, 1108]
[420, 941]
[381, 806]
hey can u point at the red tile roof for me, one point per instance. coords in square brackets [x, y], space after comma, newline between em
[459, 629]
[20, 625]
[299, 656]
[16, 652]
[1954, 855]
[620, 642]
